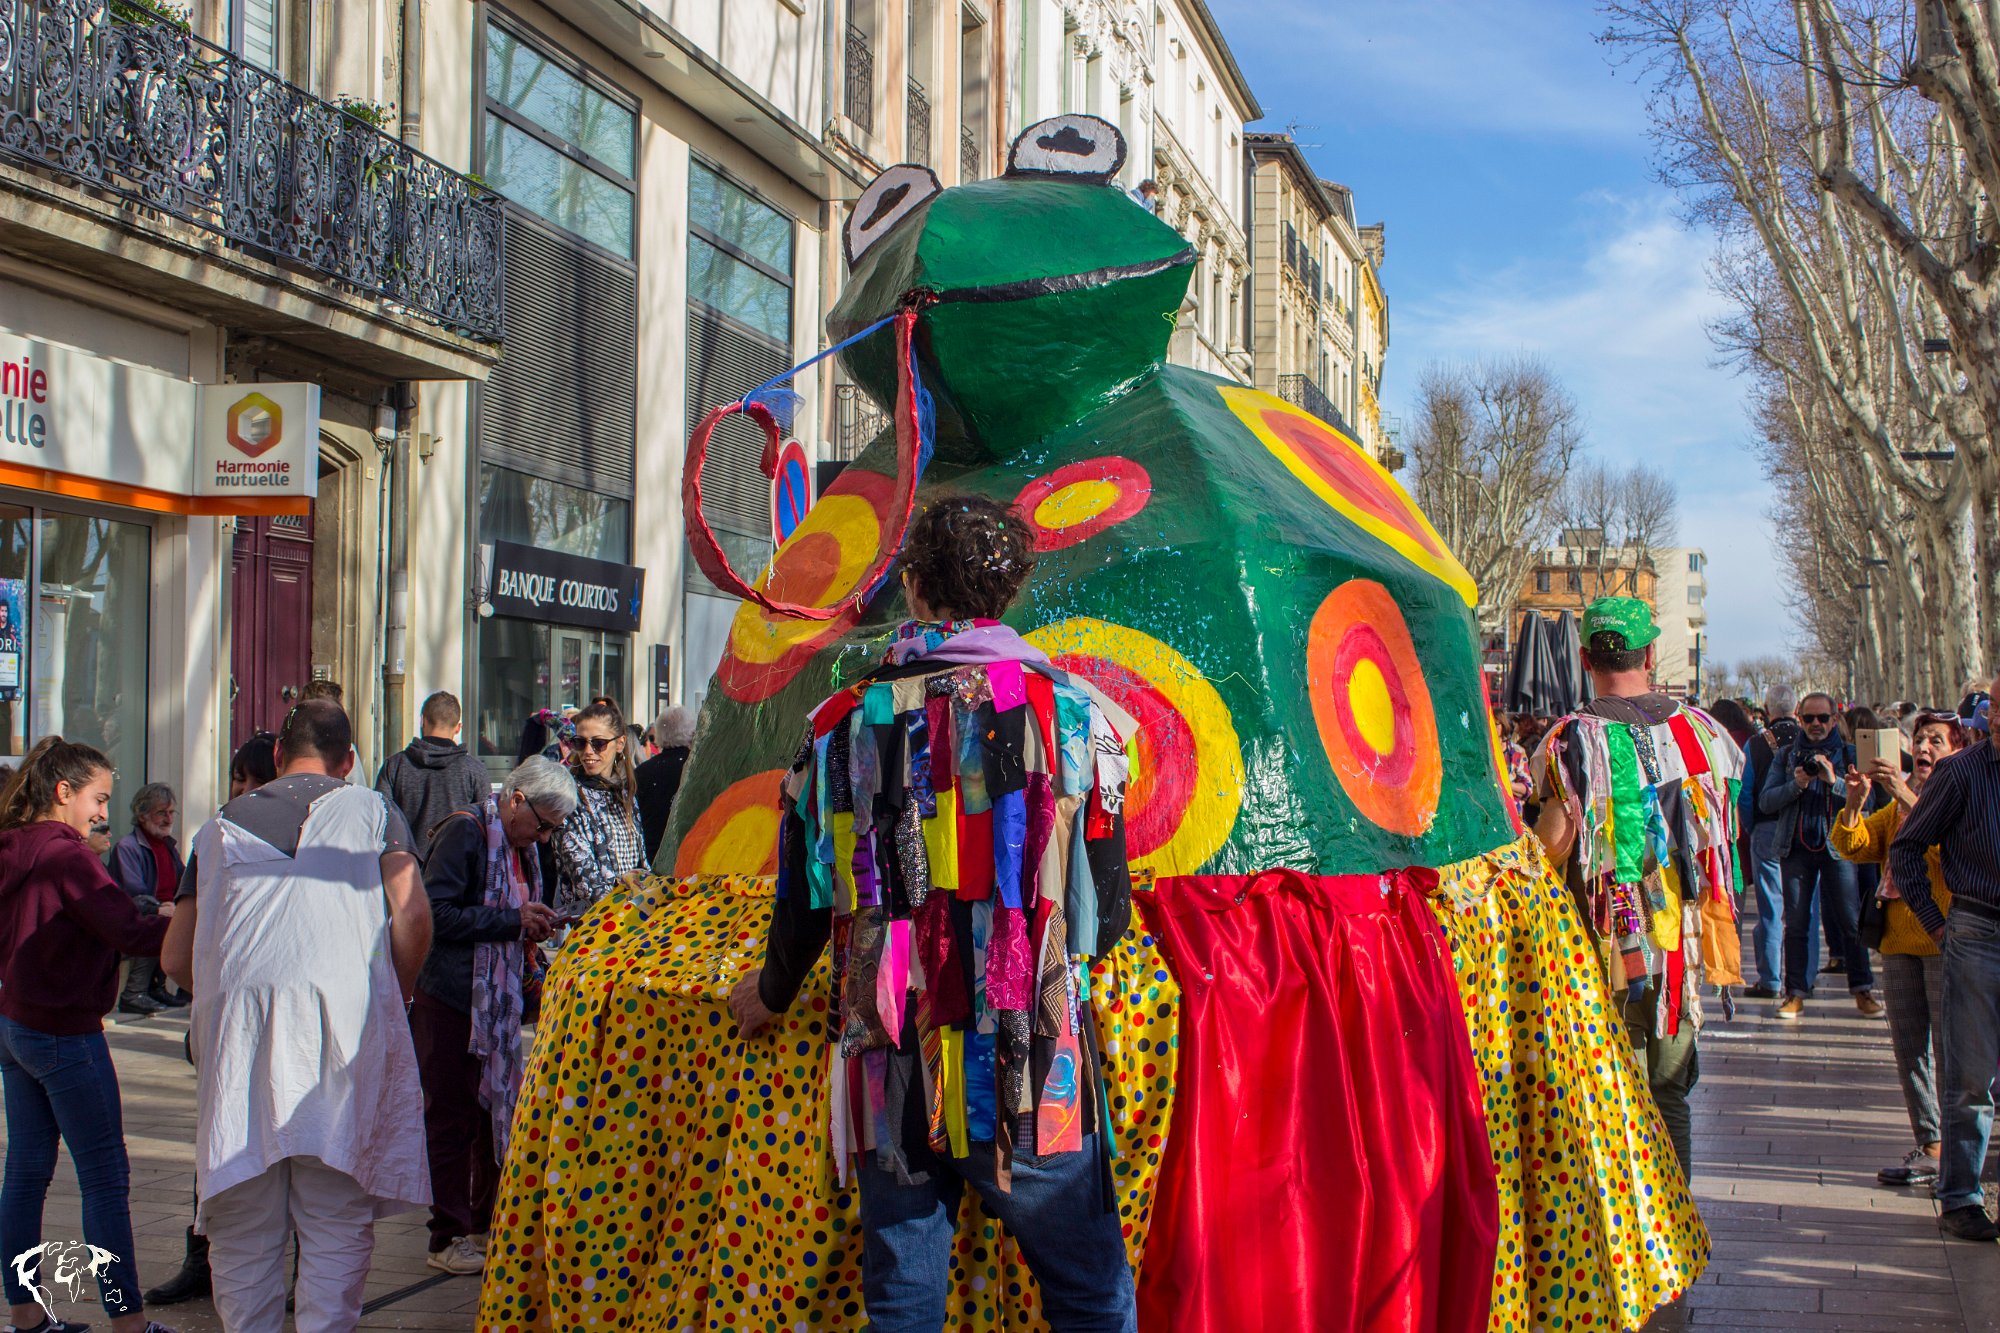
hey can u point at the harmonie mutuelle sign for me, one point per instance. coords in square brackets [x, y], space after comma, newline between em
[139, 437]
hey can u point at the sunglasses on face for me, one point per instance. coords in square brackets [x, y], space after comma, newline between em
[542, 826]
[597, 744]
[1810, 718]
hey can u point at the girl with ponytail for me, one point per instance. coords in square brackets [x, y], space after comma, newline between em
[63, 924]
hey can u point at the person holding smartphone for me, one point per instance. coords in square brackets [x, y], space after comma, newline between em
[1803, 793]
[484, 883]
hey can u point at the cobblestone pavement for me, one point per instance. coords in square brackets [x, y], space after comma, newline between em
[1792, 1122]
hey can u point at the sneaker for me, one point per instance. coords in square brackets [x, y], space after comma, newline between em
[1792, 1007]
[461, 1257]
[156, 1328]
[1760, 993]
[51, 1324]
[1918, 1168]
[1969, 1223]
[1867, 1004]
[480, 1241]
[142, 1005]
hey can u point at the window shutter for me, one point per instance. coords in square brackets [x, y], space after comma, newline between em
[726, 361]
[563, 402]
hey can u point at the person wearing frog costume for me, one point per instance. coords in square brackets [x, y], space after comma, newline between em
[1640, 795]
[1355, 1069]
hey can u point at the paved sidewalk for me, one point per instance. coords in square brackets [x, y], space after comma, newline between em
[1792, 1122]
[157, 1086]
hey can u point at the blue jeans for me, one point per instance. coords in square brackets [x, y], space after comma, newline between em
[1769, 936]
[1969, 1038]
[1057, 1210]
[1822, 879]
[65, 1088]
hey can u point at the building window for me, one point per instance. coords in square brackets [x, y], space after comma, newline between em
[1694, 595]
[1575, 581]
[76, 591]
[1694, 656]
[558, 145]
[1541, 580]
[253, 31]
[533, 511]
[1694, 562]
[739, 255]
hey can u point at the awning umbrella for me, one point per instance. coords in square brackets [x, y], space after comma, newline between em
[1534, 682]
[1569, 656]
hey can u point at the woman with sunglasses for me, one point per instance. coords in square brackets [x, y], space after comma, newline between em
[485, 886]
[1912, 969]
[602, 839]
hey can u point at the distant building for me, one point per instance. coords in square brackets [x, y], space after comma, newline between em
[1673, 581]
[1681, 610]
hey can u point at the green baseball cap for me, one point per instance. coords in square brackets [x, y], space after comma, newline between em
[1627, 617]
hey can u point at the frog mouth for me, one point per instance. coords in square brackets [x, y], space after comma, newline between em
[1029, 288]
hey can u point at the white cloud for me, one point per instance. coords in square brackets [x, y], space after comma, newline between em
[1619, 314]
[1531, 68]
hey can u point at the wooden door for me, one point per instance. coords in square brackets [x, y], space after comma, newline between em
[270, 652]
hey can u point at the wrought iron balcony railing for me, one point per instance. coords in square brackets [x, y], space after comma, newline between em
[858, 98]
[857, 420]
[1304, 391]
[968, 155]
[918, 126]
[150, 113]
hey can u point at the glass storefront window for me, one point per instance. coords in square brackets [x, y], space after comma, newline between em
[15, 538]
[91, 601]
[75, 592]
[531, 511]
[526, 666]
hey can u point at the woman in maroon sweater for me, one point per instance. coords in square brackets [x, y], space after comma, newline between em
[63, 924]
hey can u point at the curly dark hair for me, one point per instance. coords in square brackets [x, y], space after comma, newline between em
[969, 556]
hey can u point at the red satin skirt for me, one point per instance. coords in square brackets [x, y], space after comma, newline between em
[1328, 1167]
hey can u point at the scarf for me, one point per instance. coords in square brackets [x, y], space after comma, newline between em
[496, 981]
[1817, 805]
[964, 642]
[166, 875]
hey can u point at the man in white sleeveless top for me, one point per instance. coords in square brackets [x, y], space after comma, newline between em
[301, 944]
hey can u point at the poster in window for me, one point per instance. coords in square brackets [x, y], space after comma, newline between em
[12, 631]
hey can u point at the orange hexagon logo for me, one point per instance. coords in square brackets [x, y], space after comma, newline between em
[256, 424]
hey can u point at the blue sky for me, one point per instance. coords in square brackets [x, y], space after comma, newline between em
[1511, 163]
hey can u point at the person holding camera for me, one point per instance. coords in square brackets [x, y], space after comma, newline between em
[485, 887]
[1803, 794]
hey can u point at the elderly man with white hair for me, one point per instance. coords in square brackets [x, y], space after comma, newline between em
[485, 887]
[1781, 728]
[659, 778]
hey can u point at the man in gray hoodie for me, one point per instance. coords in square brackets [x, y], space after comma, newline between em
[434, 775]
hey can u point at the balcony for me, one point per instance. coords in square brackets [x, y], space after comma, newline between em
[918, 126]
[152, 115]
[859, 96]
[968, 155]
[1303, 391]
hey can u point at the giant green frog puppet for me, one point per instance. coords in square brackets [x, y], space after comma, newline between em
[1312, 751]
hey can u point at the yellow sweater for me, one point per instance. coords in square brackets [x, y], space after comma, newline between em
[1865, 841]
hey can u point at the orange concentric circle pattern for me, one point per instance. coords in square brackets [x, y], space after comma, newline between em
[1079, 500]
[1187, 763]
[738, 833]
[1373, 709]
[1341, 473]
[826, 557]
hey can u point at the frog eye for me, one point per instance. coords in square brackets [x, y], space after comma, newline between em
[1086, 147]
[894, 195]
